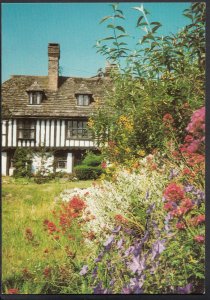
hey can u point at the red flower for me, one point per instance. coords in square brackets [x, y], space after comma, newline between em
[103, 165]
[51, 227]
[77, 204]
[174, 192]
[186, 171]
[167, 118]
[197, 220]
[47, 272]
[168, 206]
[180, 226]
[120, 219]
[199, 238]
[12, 291]
[187, 203]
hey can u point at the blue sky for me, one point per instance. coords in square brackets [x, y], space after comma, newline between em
[27, 28]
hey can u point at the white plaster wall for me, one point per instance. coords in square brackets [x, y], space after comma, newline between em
[69, 163]
[4, 163]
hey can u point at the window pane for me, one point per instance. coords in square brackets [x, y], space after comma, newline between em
[86, 100]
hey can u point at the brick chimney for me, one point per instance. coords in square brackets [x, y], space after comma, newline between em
[110, 67]
[53, 66]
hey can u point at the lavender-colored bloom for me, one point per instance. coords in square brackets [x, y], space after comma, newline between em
[117, 229]
[137, 249]
[109, 242]
[127, 290]
[173, 173]
[84, 270]
[94, 273]
[100, 256]
[157, 248]
[189, 188]
[186, 289]
[111, 283]
[128, 231]
[120, 243]
[145, 238]
[98, 289]
[147, 194]
[137, 264]
[150, 209]
[129, 251]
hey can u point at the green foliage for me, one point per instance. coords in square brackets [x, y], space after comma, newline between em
[92, 159]
[22, 163]
[90, 167]
[162, 75]
[84, 172]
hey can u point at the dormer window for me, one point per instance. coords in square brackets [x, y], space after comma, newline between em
[35, 93]
[83, 95]
[35, 98]
[83, 100]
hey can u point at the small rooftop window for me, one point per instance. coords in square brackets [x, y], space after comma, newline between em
[35, 94]
[83, 100]
[83, 95]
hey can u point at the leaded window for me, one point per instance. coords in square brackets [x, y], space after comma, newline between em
[26, 129]
[35, 98]
[83, 100]
[78, 129]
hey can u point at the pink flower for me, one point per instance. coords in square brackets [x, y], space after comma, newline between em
[12, 291]
[167, 118]
[180, 226]
[199, 238]
[103, 165]
[174, 192]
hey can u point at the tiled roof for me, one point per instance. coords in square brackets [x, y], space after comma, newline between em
[35, 87]
[61, 103]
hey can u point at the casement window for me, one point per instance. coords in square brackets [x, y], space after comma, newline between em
[83, 100]
[26, 129]
[61, 161]
[35, 98]
[78, 129]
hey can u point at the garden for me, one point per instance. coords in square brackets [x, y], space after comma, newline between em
[141, 214]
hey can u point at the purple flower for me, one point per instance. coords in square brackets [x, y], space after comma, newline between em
[147, 194]
[186, 289]
[134, 287]
[94, 273]
[84, 270]
[137, 249]
[129, 251]
[109, 242]
[116, 229]
[173, 173]
[189, 188]
[145, 238]
[99, 290]
[100, 256]
[119, 244]
[150, 209]
[157, 248]
[137, 264]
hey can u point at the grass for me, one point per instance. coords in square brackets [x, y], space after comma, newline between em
[25, 205]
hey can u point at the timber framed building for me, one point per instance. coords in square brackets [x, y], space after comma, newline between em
[50, 111]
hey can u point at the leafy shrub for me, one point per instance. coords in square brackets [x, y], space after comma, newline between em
[22, 163]
[92, 159]
[90, 167]
[84, 172]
